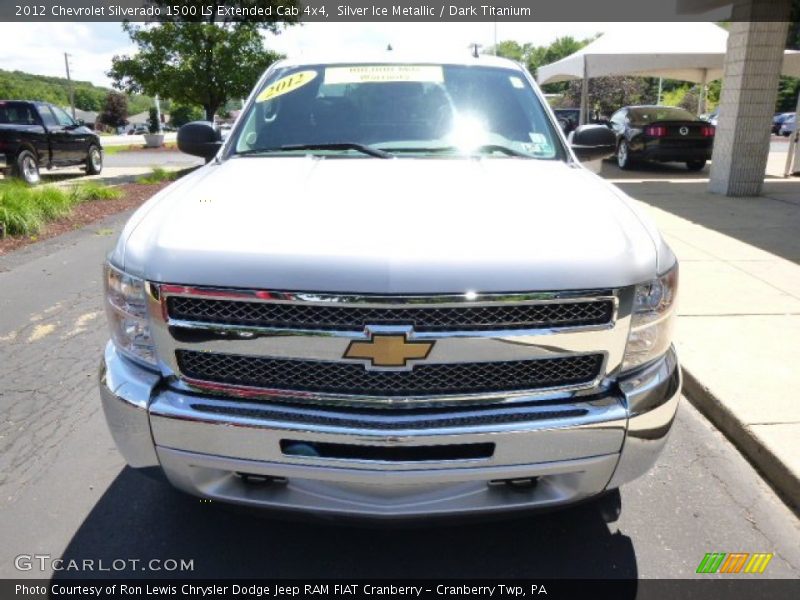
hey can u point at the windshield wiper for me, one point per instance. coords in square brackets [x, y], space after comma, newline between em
[486, 148]
[504, 149]
[363, 148]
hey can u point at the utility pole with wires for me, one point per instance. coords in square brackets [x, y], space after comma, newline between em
[69, 83]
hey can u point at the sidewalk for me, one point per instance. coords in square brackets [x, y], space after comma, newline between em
[738, 331]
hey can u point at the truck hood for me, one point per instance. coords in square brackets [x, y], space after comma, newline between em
[390, 226]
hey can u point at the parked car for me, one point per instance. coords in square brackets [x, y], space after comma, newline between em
[35, 135]
[663, 134]
[779, 119]
[138, 130]
[394, 291]
[788, 126]
[572, 116]
[711, 117]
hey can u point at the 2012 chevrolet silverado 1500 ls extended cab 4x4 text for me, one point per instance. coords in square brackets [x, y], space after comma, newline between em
[392, 292]
[37, 134]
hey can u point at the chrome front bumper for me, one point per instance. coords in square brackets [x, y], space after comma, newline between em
[570, 451]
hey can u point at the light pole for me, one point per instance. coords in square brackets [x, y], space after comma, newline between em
[158, 113]
[69, 82]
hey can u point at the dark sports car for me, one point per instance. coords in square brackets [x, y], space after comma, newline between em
[663, 134]
[571, 117]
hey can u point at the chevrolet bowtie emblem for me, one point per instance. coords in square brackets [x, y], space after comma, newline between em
[388, 350]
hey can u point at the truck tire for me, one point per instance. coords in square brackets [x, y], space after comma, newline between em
[94, 161]
[695, 165]
[26, 167]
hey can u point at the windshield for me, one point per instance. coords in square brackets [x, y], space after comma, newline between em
[389, 110]
[653, 114]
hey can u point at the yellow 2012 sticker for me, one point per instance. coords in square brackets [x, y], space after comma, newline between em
[287, 84]
[384, 73]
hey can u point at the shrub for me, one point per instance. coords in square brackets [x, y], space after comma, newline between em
[24, 210]
[91, 190]
[157, 176]
[153, 124]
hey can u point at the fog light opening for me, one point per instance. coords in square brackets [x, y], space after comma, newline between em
[257, 479]
[522, 484]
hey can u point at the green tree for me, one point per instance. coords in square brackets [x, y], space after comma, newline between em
[512, 50]
[180, 115]
[534, 57]
[89, 98]
[201, 62]
[607, 94]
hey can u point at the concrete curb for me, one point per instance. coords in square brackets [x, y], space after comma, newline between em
[778, 474]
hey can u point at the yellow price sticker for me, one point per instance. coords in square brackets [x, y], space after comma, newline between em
[287, 84]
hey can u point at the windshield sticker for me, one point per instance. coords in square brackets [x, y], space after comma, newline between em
[287, 84]
[516, 82]
[537, 138]
[539, 147]
[384, 74]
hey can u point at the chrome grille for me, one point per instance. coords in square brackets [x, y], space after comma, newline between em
[353, 378]
[311, 316]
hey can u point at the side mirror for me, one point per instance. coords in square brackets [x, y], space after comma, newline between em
[592, 142]
[199, 138]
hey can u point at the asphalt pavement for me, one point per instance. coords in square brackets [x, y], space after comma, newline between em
[151, 158]
[130, 140]
[65, 492]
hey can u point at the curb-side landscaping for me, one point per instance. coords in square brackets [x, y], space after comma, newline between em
[30, 214]
[24, 210]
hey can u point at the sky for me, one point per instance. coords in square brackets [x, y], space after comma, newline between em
[39, 47]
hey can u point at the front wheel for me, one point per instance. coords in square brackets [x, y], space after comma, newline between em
[695, 165]
[94, 161]
[623, 156]
[26, 167]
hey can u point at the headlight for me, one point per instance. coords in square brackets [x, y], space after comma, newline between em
[126, 307]
[652, 319]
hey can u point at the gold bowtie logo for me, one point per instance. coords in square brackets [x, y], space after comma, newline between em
[388, 350]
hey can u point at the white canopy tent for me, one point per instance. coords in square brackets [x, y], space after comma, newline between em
[686, 51]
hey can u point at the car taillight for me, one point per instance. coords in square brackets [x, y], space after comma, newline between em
[707, 131]
[655, 131]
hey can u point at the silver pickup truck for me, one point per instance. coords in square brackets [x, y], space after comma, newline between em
[393, 291]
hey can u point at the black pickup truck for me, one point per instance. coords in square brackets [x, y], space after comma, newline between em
[37, 134]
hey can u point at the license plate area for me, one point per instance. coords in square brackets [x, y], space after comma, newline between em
[405, 454]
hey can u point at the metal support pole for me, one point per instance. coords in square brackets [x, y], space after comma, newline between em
[158, 113]
[791, 152]
[69, 82]
[584, 117]
[660, 89]
[701, 103]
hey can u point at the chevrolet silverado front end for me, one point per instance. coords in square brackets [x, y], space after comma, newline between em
[392, 293]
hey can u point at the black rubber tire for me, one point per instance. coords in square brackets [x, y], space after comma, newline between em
[94, 161]
[695, 165]
[624, 156]
[26, 167]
